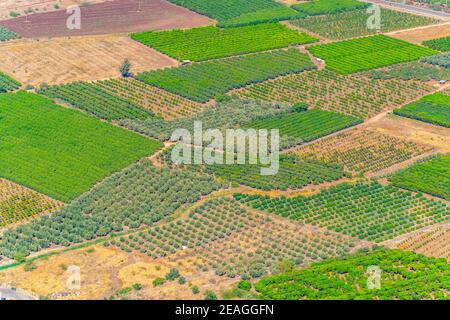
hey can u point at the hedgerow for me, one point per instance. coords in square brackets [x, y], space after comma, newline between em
[403, 276]
[204, 81]
[199, 44]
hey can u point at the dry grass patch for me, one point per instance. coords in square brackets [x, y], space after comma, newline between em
[421, 34]
[62, 60]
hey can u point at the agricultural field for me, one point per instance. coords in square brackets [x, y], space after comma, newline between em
[204, 81]
[218, 229]
[441, 44]
[96, 101]
[206, 43]
[305, 126]
[162, 103]
[434, 68]
[434, 108]
[326, 7]
[431, 241]
[430, 176]
[362, 54]
[222, 115]
[6, 34]
[367, 211]
[136, 196]
[7, 83]
[108, 17]
[354, 95]
[362, 150]
[421, 278]
[60, 152]
[63, 60]
[345, 25]
[18, 203]
[425, 33]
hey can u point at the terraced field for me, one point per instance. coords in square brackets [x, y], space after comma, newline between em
[354, 95]
[366, 211]
[362, 150]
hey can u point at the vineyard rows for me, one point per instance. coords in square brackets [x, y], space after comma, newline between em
[441, 44]
[18, 203]
[366, 211]
[207, 43]
[413, 71]
[362, 150]
[7, 83]
[372, 52]
[353, 95]
[203, 81]
[432, 176]
[6, 34]
[327, 7]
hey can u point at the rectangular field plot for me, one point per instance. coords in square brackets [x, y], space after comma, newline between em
[434, 109]
[211, 43]
[432, 176]
[306, 126]
[7, 83]
[368, 53]
[63, 60]
[61, 152]
[326, 7]
[162, 103]
[233, 240]
[441, 44]
[365, 210]
[345, 25]
[96, 101]
[203, 81]
[354, 95]
[18, 203]
[362, 150]
[405, 276]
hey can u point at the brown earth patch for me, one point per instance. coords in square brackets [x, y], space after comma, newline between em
[62, 60]
[421, 34]
[109, 17]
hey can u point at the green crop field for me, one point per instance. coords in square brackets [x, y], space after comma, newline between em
[306, 126]
[404, 276]
[365, 210]
[6, 34]
[415, 70]
[203, 81]
[441, 44]
[345, 25]
[96, 101]
[368, 53]
[61, 152]
[325, 7]
[441, 60]
[432, 176]
[227, 9]
[434, 108]
[206, 43]
[7, 83]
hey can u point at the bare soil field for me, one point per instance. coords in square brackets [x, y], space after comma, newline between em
[22, 7]
[432, 241]
[89, 58]
[109, 17]
[106, 271]
[417, 131]
[418, 35]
